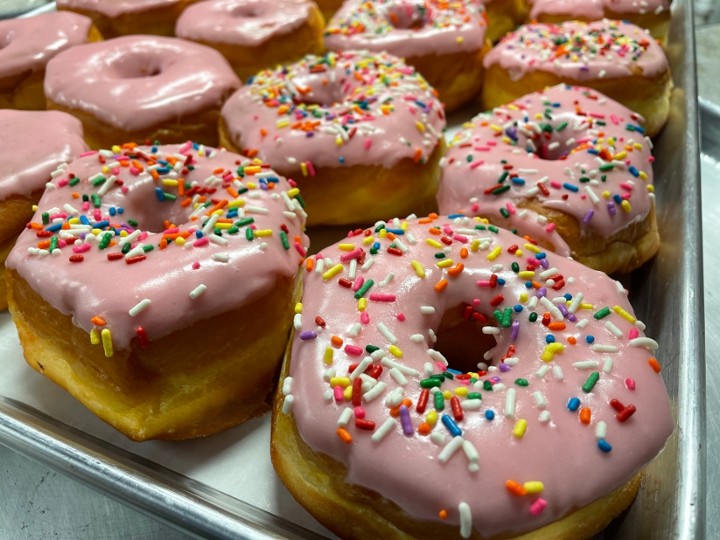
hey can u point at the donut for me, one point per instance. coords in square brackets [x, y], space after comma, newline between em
[328, 7]
[653, 15]
[255, 34]
[26, 46]
[122, 17]
[566, 166]
[504, 16]
[445, 41]
[360, 132]
[155, 284]
[616, 58]
[141, 88]
[449, 379]
[33, 144]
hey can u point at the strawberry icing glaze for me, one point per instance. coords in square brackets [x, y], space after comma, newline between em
[572, 400]
[116, 8]
[340, 109]
[595, 9]
[28, 44]
[598, 167]
[136, 82]
[32, 145]
[102, 246]
[241, 22]
[579, 51]
[408, 27]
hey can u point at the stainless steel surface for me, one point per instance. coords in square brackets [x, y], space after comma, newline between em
[672, 501]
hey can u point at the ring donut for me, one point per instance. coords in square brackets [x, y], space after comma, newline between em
[141, 88]
[567, 166]
[396, 419]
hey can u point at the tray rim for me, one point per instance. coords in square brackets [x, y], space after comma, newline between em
[201, 510]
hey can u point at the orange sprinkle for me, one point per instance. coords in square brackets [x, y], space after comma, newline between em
[655, 365]
[181, 186]
[440, 285]
[556, 325]
[232, 192]
[263, 132]
[185, 202]
[463, 253]
[418, 155]
[344, 435]
[35, 225]
[251, 152]
[515, 488]
[585, 415]
[336, 341]
[571, 340]
[443, 514]
[536, 285]
[424, 429]
[43, 244]
[309, 264]
[456, 270]
[97, 320]
[429, 219]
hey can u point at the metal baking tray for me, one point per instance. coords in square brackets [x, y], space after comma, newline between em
[224, 486]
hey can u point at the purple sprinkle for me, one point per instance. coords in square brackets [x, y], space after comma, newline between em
[495, 379]
[515, 330]
[563, 310]
[542, 291]
[571, 317]
[588, 216]
[611, 208]
[405, 421]
[504, 367]
[544, 263]
[308, 334]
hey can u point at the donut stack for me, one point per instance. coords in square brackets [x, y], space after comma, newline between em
[446, 369]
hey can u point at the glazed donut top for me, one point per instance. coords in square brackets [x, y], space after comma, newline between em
[27, 44]
[115, 8]
[566, 406]
[408, 28]
[241, 22]
[144, 241]
[595, 9]
[346, 108]
[136, 82]
[32, 145]
[571, 148]
[579, 51]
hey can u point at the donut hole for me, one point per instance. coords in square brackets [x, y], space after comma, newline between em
[136, 66]
[317, 91]
[553, 143]
[247, 11]
[460, 338]
[407, 16]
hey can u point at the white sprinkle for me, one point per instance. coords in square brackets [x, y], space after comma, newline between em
[554, 311]
[511, 361]
[398, 377]
[256, 209]
[432, 336]
[540, 400]
[614, 330]
[582, 323]
[417, 338]
[465, 520]
[197, 291]
[600, 430]
[472, 454]
[394, 398]
[472, 404]
[607, 365]
[385, 331]
[361, 367]
[427, 310]
[217, 240]
[509, 402]
[320, 266]
[490, 330]
[287, 386]
[558, 372]
[387, 279]
[376, 391]
[540, 373]
[328, 374]
[405, 370]
[345, 417]
[70, 209]
[599, 347]
[498, 387]
[437, 356]
[288, 404]
[139, 307]
[210, 224]
[547, 273]
[105, 187]
[328, 395]
[450, 448]
[646, 342]
[297, 321]
[586, 364]
[368, 264]
[385, 428]
[437, 438]
[544, 417]
[221, 257]
[355, 330]
[352, 270]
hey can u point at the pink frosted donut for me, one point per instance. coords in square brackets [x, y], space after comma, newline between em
[138, 88]
[616, 58]
[653, 15]
[360, 132]
[121, 17]
[26, 46]
[255, 34]
[155, 283]
[443, 40]
[566, 166]
[33, 146]
[395, 418]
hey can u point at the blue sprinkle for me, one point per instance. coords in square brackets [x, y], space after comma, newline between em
[540, 256]
[604, 445]
[571, 187]
[633, 171]
[376, 245]
[84, 220]
[567, 296]
[501, 281]
[113, 211]
[341, 160]
[454, 216]
[528, 284]
[618, 199]
[101, 224]
[573, 404]
[159, 193]
[518, 308]
[54, 228]
[198, 234]
[518, 181]
[397, 232]
[490, 414]
[589, 339]
[451, 425]
[549, 338]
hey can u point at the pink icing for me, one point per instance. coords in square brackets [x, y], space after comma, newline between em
[115, 8]
[595, 9]
[605, 160]
[535, 370]
[340, 109]
[235, 266]
[136, 82]
[241, 22]
[27, 44]
[408, 27]
[579, 51]
[32, 145]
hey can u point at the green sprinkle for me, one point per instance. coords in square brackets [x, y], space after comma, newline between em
[126, 247]
[249, 234]
[245, 222]
[504, 213]
[439, 400]
[501, 189]
[590, 382]
[522, 382]
[105, 241]
[606, 167]
[506, 319]
[284, 240]
[45, 218]
[74, 181]
[430, 383]
[53, 243]
[604, 312]
[99, 181]
[96, 200]
[371, 349]
[515, 267]
[364, 289]
[474, 395]
[487, 386]
[561, 126]
[532, 317]
[147, 248]
[133, 223]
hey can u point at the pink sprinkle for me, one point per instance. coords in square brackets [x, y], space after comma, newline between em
[538, 506]
[310, 168]
[482, 283]
[461, 238]
[550, 227]
[353, 350]
[475, 207]
[442, 367]
[195, 265]
[476, 164]
[510, 207]
[633, 333]
[359, 412]
[400, 317]
[85, 206]
[555, 184]
[88, 153]
[614, 119]
[630, 383]
[367, 144]
[354, 254]
[63, 182]
[338, 392]
[82, 248]
[382, 297]
[364, 317]
[172, 230]
[200, 242]
[301, 250]
[358, 283]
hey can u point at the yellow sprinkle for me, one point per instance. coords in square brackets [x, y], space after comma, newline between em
[444, 263]
[495, 127]
[368, 240]
[461, 391]
[303, 168]
[526, 274]
[533, 248]
[519, 253]
[74, 221]
[116, 149]
[431, 418]
[433, 243]
[459, 39]
[651, 188]
[550, 350]
[382, 233]
[494, 254]
[298, 307]
[94, 336]
[420, 127]
[643, 175]
[123, 233]
[506, 140]
[332, 272]
[520, 427]
[606, 194]
[293, 192]
[252, 185]
[263, 232]
[534, 486]
[362, 304]
[180, 241]
[395, 351]
[404, 226]
[624, 314]
[523, 297]
[282, 123]
[169, 182]
[106, 337]
[419, 270]
[347, 393]
[236, 203]
[447, 394]
[328, 356]
[474, 245]
[340, 381]
[620, 155]
[338, 141]
[346, 247]
[224, 225]
[626, 206]
[585, 305]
